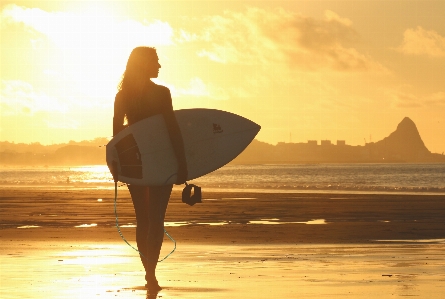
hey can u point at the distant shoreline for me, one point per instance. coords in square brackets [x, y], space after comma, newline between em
[12, 166]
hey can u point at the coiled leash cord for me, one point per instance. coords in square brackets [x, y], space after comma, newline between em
[122, 236]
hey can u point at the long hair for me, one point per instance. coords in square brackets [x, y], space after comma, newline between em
[134, 77]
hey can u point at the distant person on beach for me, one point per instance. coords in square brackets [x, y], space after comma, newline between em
[139, 98]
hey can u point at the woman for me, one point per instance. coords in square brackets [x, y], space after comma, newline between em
[139, 98]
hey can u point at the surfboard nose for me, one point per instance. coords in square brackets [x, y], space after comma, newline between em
[255, 127]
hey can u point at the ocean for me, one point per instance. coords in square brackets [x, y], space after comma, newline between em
[336, 178]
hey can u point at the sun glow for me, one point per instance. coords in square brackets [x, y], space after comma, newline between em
[95, 44]
[85, 54]
[92, 36]
[311, 72]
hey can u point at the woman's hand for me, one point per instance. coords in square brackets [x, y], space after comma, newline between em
[182, 175]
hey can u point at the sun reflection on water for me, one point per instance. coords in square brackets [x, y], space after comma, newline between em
[29, 226]
[109, 254]
[87, 225]
[276, 221]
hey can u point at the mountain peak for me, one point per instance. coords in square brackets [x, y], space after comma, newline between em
[405, 142]
[407, 124]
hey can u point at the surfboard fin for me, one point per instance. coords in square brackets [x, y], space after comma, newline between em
[191, 199]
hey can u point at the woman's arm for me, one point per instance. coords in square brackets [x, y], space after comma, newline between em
[176, 138]
[119, 115]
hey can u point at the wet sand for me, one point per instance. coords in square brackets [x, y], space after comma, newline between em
[64, 244]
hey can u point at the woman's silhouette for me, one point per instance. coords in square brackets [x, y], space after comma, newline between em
[139, 98]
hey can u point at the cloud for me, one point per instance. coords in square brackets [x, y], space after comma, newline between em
[406, 100]
[196, 88]
[260, 37]
[332, 16]
[70, 30]
[419, 41]
[62, 124]
[20, 98]
[403, 97]
[437, 98]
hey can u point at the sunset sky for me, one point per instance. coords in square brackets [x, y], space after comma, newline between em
[303, 70]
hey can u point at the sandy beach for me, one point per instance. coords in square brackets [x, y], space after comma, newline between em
[63, 243]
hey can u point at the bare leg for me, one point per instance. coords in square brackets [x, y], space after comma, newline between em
[150, 204]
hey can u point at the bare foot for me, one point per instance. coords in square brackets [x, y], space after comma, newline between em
[152, 284]
[153, 287]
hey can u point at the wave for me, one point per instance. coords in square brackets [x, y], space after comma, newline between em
[381, 178]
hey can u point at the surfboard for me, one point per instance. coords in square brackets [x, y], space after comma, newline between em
[144, 155]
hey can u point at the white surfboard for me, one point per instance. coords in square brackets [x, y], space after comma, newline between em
[212, 138]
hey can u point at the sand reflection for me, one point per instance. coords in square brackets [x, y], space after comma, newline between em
[87, 225]
[434, 241]
[28, 226]
[269, 221]
[277, 221]
[176, 224]
[226, 271]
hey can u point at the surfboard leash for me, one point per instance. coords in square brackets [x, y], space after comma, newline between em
[122, 236]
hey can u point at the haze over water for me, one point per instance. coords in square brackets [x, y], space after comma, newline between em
[416, 178]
